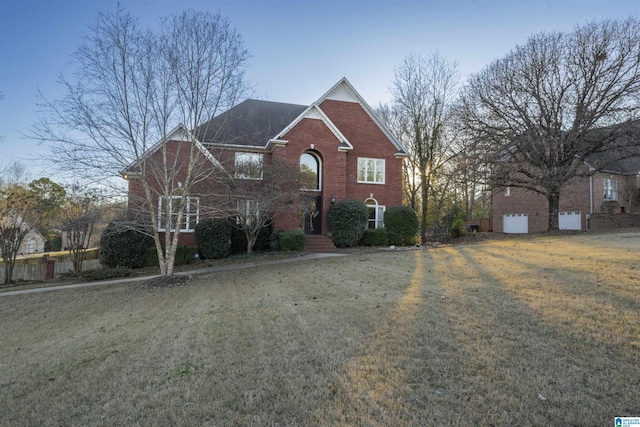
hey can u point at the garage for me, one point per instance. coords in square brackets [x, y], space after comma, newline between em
[515, 223]
[569, 220]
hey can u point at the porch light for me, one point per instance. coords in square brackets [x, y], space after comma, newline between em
[333, 199]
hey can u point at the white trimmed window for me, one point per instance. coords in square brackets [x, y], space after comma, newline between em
[371, 171]
[310, 171]
[190, 217]
[611, 189]
[248, 165]
[375, 212]
[248, 212]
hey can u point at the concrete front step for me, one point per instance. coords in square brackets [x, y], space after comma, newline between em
[316, 243]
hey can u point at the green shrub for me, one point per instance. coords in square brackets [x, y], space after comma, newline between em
[274, 240]
[213, 237]
[106, 273]
[457, 227]
[239, 241]
[347, 220]
[184, 255]
[292, 240]
[123, 247]
[263, 242]
[402, 225]
[151, 257]
[375, 237]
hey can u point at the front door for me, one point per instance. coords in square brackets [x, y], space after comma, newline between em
[311, 215]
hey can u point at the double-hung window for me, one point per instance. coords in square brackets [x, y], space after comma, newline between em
[248, 165]
[248, 212]
[190, 207]
[610, 189]
[371, 171]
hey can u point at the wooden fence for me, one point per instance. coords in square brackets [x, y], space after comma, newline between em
[49, 266]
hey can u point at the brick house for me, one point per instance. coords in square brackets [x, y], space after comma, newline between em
[597, 199]
[343, 149]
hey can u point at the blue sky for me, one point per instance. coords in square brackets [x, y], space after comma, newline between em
[299, 48]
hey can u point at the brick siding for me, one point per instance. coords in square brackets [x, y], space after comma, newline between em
[574, 197]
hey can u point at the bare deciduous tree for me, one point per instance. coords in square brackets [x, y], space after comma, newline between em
[79, 216]
[131, 109]
[255, 203]
[424, 90]
[555, 102]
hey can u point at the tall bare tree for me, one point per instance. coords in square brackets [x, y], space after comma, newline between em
[131, 109]
[424, 90]
[555, 102]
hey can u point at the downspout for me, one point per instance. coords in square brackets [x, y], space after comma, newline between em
[590, 201]
[591, 194]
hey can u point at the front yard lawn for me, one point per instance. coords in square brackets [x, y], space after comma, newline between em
[528, 331]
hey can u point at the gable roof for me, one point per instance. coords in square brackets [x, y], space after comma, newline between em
[315, 112]
[255, 124]
[252, 123]
[344, 91]
[179, 133]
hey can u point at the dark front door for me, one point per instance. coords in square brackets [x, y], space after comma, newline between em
[311, 215]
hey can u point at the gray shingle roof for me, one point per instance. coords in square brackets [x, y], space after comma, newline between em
[251, 123]
[623, 153]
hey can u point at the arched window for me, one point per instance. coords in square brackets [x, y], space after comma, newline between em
[376, 213]
[310, 171]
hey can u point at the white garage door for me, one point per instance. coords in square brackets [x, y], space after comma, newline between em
[515, 223]
[569, 221]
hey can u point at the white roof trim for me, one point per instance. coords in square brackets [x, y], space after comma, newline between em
[315, 113]
[179, 133]
[359, 99]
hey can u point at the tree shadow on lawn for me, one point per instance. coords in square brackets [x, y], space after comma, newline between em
[521, 365]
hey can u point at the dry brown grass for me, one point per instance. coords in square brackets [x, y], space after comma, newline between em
[531, 331]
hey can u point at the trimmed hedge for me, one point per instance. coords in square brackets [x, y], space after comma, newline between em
[121, 247]
[213, 237]
[347, 221]
[184, 255]
[375, 237]
[106, 273]
[291, 240]
[239, 241]
[402, 225]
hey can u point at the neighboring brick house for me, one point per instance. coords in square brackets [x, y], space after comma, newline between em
[344, 149]
[609, 198]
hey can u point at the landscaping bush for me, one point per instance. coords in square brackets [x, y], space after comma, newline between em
[291, 240]
[347, 220]
[121, 247]
[457, 227]
[213, 237]
[274, 240]
[239, 241]
[454, 221]
[106, 273]
[184, 255]
[375, 237]
[401, 223]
